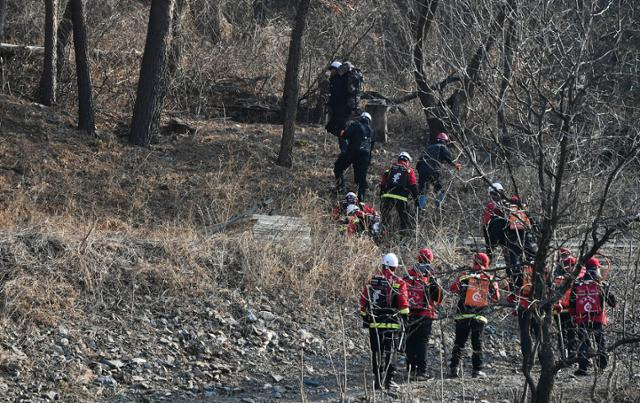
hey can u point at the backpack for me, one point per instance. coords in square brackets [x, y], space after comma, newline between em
[398, 177]
[588, 301]
[477, 295]
[518, 219]
[367, 138]
[379, 294]
[417, 295]
[355, 82]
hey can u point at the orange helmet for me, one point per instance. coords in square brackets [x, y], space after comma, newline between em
[425, 255]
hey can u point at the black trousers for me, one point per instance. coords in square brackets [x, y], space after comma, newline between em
[360, 162]
[427, 177]
[532, 328]
[584, 334]
[418, 333]
[464, 328]
[384, 344]
[566, 335]
[338, 118]
[400, 206]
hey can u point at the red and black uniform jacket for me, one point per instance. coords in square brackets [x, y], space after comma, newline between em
[425, 294]
[399, 181]
[491, 210]
[384, 302]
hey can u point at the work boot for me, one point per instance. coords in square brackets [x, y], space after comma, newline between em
[478, 374]
[454, 372]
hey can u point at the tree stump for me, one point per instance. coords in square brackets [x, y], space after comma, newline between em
[378, 111]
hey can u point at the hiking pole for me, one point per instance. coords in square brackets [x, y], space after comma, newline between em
[563, 352]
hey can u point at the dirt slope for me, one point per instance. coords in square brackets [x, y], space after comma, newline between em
[112, 291]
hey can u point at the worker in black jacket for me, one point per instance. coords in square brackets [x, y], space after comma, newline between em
[339, 110]
[429, 169]
[359, 138]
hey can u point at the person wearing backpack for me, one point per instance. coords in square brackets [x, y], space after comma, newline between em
[528, 323]
[588, 311]
[384, 306]
[339, 112]
[425, 294]
[476, 288]
[566, 330]
[429, 168]
[360, 140]
[354, 85]
[397, 182]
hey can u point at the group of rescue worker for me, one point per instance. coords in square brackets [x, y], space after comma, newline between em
[356, 141]
[399, 310]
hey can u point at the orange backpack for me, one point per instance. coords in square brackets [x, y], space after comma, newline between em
[477, 295]
[518, 219]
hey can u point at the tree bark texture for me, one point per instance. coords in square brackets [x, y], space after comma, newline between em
[292, 85]
[3, 16]
[173, 57]
[48, 78]
[64, 36]
[154, 62]
[86, 118]
[426, 10]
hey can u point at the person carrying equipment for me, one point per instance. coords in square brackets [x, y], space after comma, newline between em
[425, 294]
[494, 209]
[396, 184]
[566, 329]
[523, 294]
[359, 221]
[476, 288]
[360, 140]
[349, 199]
[429, 168]
[339, 112]
[384, 307]
[588, 311]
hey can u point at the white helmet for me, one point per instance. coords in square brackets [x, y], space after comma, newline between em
[352, 209]
[365, 115]
[404, 156]
[495, 187]
[351, 198]
[390, 260]
[335, 64]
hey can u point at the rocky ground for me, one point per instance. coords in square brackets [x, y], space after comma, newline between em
[111, 290]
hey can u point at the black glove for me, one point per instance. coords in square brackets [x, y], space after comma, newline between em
[366, 319]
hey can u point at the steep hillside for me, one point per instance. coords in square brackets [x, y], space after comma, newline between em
[112, 289]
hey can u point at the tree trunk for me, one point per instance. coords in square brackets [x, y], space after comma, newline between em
[173, 58]
[426, 10]
[64, 36]
[48, 79]
[151, 72]
[547, 361]
[292, 85]
[86, 118]
[3, 16]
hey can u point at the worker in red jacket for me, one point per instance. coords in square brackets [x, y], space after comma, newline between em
[588, 311]
[396, 184]
[566, 330]
[425, 294]
[493, 209]
[476, 288]
[384, 306]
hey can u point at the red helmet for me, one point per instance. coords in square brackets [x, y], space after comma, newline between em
[564, 253]
[442, 136]
[570, 261]
[592, 262]
[425, 255]
[480, 261]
